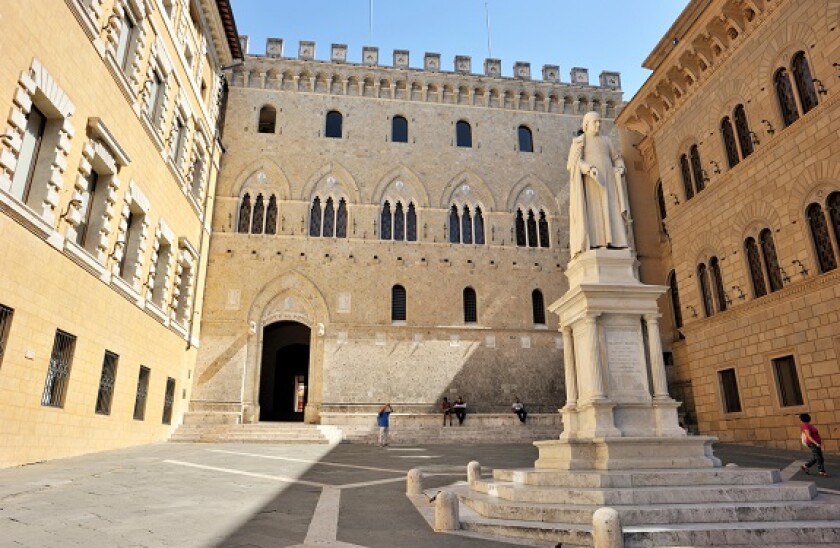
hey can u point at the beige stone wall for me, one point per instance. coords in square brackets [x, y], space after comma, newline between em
[59, 55]
[344, 285]
[790, 168]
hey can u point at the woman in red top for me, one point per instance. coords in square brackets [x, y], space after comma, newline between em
[811, 438]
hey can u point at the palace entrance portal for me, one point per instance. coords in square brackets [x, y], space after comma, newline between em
[284, 372]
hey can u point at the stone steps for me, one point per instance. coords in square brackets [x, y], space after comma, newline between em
[639, 478]
[789, 491]
[257, 433]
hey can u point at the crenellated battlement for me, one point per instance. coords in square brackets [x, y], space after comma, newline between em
[400, 81]
[462, 64]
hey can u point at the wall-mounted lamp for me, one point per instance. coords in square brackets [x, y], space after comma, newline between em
[110, 21]
[119, 244]
[73, 203]
[693, 311]
[741, 295]
[704, 175]
[770, 130]
[147, 87]
[716, 167]
[802, 269]
[820, 87]
[785, 277]
[676, 199]
[754, 138]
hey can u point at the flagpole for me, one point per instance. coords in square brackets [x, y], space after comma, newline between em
[370, 23]
[487, 18]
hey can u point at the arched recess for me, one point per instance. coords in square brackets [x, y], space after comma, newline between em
[477, 191]
[339, 174]
[703, 246]
[412, 187]
[275, 180]
[727, 97]
[289, 297]
[781, 47]
[753, 216]
[812, 184]
[541, 196]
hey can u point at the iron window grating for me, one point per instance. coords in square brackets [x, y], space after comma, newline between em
[5, 325]
[168, 400]
[58, 371]
[106, 383]
[142, 392]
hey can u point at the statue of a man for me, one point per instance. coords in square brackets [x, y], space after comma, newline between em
[598, 207]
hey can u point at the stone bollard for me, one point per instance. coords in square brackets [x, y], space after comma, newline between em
[606, 529]
[446, 512]
[473, 472]
[414, 482]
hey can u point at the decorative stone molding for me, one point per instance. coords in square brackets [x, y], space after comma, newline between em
[338, 53]
[431, 62]
[522, 71]
[306, 50]
[370, 55]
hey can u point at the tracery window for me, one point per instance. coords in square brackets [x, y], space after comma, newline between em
[717, 281]
[754, 262]
[804, 82]
[771, 261]
[685, 171]
[784, 93]
[697, 168]
[728, 134]
[526, 139]
[826, 259]
[271, 216]
[532, 228]
[743, 128]
[538, 307]
[466, 225]
[267, 119]
[258, 216]
[470, 306]
[398, 303]
[399, 225]
[399, 129]
[705, 291]
[326, 220]
[805, 98]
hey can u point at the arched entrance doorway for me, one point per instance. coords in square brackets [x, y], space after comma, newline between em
[284, 372]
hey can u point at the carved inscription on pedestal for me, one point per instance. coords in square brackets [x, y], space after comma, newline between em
[625, 364]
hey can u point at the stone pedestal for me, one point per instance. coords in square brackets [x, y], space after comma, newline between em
[618, 414]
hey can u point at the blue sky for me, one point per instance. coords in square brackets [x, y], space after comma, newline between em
[596, 34]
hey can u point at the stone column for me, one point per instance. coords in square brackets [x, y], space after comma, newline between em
[591, 322]
[569, 366]
[657, 365]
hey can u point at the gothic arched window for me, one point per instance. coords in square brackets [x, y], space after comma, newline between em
[329, 219]
[820, 238]
[267, 119]
[833, 204]
[675, 299]
[334, 123]
[771, 261]
[454, 225]
[259, 215]
[411, 223]
[385, 220]
[532, 229]
[538, 307]
[660, 201]
[543, 230]
[398, 304]
[526, 139]
[784, 93]
[271, 216]
[697, 168]
[754, 262]
[341, 219]
[804, 82]
[685, 171]
[244, 224]
[470, 306]
[399, 222]
[744, 133]
[399, 129]
[717, 280]
[705, 291]
[463, 134]
[315, 217]
[521, 239]
[729, 142]
[479, 226]
[466, 226]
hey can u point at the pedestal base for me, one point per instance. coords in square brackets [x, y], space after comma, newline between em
[637, 453]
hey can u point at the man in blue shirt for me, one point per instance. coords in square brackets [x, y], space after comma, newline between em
[382, 420]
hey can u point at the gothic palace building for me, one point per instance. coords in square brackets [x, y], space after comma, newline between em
[308, 239]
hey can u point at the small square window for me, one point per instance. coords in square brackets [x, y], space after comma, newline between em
[787, 381]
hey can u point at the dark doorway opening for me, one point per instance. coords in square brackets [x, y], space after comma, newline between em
[284, 372]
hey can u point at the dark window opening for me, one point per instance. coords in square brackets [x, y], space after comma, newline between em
[106, 384]
[470, 306]
[399, 129]
[538, 305]
[398, 304]
[58, 371]
[463, 134]
[267, 119]
[142, 393]
[729, 388]
[334, 122]
[787, 380]
[526, 139]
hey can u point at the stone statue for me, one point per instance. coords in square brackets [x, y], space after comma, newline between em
[599, 212]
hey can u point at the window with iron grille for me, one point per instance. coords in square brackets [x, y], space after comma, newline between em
[717, 279]
[771, 261]
[470, 306]
[244, 214]
[705, 292]
[697, 168]
[58, 372]
[398, 304]
[787, 101]
[106, 383]
[168, 400]
[5, 325]
[754, 262]
[820, 238]
[729, 390]
[685, 171]
[804, 82]
[745, 137]
[142, 392]
[675, 299]
[660, 202]
[538, 306]
[787, 380]
[728, 134]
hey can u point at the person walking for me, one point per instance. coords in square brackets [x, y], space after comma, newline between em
[446, 409]
[811, 439]
[519, 409]
[382, 419]
[460, 408]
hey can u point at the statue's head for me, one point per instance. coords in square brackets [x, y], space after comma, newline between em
[591, 123]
